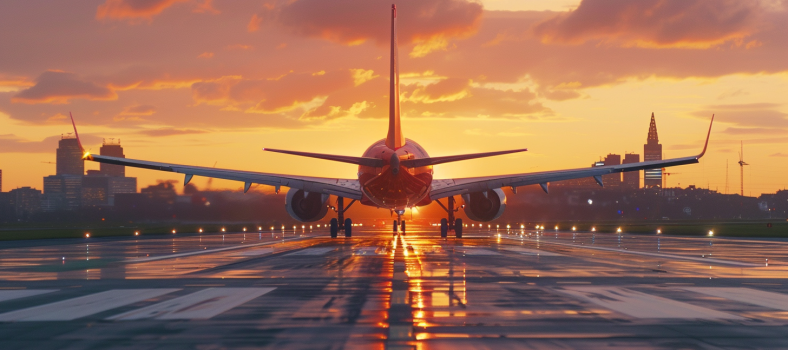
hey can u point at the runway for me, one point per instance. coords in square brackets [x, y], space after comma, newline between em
[492, 289]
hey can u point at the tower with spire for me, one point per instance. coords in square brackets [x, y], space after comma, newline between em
[652, 150]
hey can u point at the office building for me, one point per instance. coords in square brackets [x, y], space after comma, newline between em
[631, 178]
[652, 150]
[69, 157]
[112, 149]
[25, 201]
[612, 180]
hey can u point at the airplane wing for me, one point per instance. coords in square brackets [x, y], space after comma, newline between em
[348, 188]
[452, 187]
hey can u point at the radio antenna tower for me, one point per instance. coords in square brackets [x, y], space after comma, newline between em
[726, 176]
[742, 163]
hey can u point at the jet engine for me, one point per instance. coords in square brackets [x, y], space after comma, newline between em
[485, 206]
[306, 207]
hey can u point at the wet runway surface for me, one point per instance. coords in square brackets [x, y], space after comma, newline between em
[517, 289]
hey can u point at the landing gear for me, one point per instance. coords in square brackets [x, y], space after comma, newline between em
[403, 227]
[348, 227]
[340, 222]
[450, 224]
[334, 228]
[395, 227]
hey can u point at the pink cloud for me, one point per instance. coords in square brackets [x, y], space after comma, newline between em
[60, 87]
[655, 23]
[133, 10]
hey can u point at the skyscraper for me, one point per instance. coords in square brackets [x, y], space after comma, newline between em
[112, 149]
[652, 150]
[612, 180]
[69, 157]
[631, 178]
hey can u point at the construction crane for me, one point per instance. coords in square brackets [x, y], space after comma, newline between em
[742, 163]
[665, 178]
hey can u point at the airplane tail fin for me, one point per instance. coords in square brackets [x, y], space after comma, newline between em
[394, 139]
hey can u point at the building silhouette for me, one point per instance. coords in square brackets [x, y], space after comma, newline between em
[69, 157]
[112, 149]
[631, 178]
[652, 150]
[612, 180]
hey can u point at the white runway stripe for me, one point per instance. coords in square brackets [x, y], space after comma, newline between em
[476, 251]
[312, 251]
[746, 295]
[71, 309]
[527, 251]
[641, 305]
[22, 293]
[204, 304]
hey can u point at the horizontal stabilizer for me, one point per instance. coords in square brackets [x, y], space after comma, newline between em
[414, 163]
[372, 162]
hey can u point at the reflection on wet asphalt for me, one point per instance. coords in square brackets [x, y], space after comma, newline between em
[489, 290]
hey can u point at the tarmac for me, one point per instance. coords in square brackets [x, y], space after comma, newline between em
[492, 289]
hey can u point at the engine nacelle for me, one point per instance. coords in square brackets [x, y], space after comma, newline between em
[311, 207]
[485, 206]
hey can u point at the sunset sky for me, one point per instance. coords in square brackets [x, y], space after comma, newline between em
[204, 82]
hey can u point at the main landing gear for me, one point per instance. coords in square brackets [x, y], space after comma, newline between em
[400, 222]
[340, 222]
[450, 224]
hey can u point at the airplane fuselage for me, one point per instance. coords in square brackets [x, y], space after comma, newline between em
[393, 186]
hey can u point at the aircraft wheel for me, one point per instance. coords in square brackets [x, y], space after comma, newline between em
[403, 227]
[458, 228]
[395, 227]
[444, 228]
[334, 228]
[348, 227]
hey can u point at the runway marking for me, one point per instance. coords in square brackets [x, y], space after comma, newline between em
[209, 251]
[312, 251]
[72, 309]
[366, 251]
[526, 251]
[204, 304]
[746, 295]
[642, 305]
[256, 252]
[476, 251]
[22, 293]
[658, 255]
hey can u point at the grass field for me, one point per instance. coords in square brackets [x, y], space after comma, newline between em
[779, 228]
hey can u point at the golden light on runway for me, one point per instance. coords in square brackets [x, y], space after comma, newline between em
[87, 235]
[593, 229]
[223, 229]
[508, 226]
[522, 226]
[200, 230]
[173, 231]
[556, 227]
[136, 233]
[244, 229]
[574, 228]
[618, 230]
[659, 231]
[711, 233]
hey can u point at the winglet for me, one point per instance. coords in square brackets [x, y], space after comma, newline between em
[707, 138]
[86, 155]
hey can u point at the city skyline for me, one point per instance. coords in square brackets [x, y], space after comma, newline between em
[489, 79]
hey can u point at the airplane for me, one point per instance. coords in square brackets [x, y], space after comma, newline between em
[395, 173]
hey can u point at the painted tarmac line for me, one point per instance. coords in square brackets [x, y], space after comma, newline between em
[256, 252]
[22, 293]
[657, 255]
[209, 251]
[312, 251]
[75, 308]
[527, 251]
[642, 305]
[769, 300]
[204, 304]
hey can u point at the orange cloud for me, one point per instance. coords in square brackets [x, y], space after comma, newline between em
[278, 95]
[133, 10]
[170, 132]
[60, 87]
[429, 23]
[655, 23]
